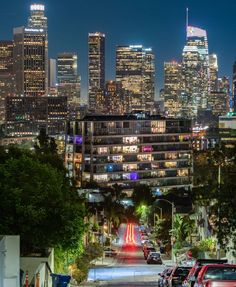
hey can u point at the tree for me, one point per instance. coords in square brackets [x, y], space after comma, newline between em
[214, 181]
[44, 144]
[142, 194]
[38, 203]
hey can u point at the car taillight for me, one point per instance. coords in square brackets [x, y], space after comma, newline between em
[206, 284]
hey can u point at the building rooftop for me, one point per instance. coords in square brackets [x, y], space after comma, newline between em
[129, 117]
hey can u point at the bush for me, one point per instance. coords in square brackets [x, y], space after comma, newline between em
[83, 262]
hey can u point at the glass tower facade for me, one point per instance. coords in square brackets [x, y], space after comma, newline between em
[7, 81]
[135, 70]
[69, 81]
[195, 70]
[31, 61]
[172, 88]
[96, 66]
[213, 66]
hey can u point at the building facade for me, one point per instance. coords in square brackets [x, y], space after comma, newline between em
[213, 68]
[227, 129]
[234, 87]
[129, 150]
[25, 116]
[135, 70]
[69, 82]
[196, 76]
[31, 61]
[219, 103]
[172, 88]
[7, 80]
[96, 66]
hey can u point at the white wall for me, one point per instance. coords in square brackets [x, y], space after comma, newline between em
[10, 261]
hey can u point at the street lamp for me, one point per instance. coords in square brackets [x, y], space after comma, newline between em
[172, 220]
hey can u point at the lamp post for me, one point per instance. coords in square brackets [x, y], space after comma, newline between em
[172, 220]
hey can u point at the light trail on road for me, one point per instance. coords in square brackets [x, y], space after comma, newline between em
[129, 237]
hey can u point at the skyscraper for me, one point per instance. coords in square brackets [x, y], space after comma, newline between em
[31, 61]
[195, 69]
[31, 54]
[52, 73]
[135, 70]
[7, 84]
[213, 67]
[234, 87]
[96, 66]
[69, 81]
[37, 18]
[172, 88]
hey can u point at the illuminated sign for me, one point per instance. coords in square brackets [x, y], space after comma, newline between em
[33, 30]
[135, 46]
[37, 7]
[195, 32]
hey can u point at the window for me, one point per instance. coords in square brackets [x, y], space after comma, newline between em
[130, 140]
[100, 177]
[102, 150]
[126, 125]
[221, 273]
[144, 157]
[129, 167]
[158, 127]
[182, 172]
[171, 164]
[130, 149]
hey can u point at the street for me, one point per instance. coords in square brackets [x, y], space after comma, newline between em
[129, 266]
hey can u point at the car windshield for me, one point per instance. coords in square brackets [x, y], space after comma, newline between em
[155, 254]
[181, 271]
[221, 273]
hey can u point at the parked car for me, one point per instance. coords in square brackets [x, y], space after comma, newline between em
[163, 277]
[178, 275]
[216, 275]
[147, 250]
[148, 243]
[193, 273]
[154, 258]
[109, 252]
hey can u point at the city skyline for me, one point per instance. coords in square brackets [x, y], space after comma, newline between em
[157, 31]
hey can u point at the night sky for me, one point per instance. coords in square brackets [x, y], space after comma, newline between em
[159, 24]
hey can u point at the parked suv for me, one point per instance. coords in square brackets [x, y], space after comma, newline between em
[217, 275]
[193, 273]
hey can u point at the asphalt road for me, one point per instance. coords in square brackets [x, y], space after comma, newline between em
[129, 268]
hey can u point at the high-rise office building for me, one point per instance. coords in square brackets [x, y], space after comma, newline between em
[96, 66]
[27, 111]
[172, 88]
[7, 83]
[135, 70]
[52, 73]
[195, 69]
[219, 103]
[224, 85]
[234, 87]
[31, 61]
[69, 81]
[31, 54]
[37, 19]
[213, 67]
[111, 100]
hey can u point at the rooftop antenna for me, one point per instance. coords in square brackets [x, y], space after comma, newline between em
[186, 22]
